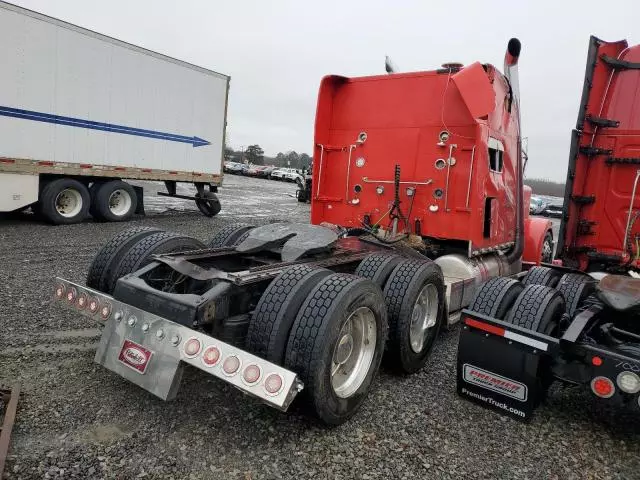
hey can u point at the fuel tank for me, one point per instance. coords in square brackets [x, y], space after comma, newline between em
[463, 276]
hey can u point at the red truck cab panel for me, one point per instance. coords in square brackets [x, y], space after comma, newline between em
[600, 227]
[453, 132]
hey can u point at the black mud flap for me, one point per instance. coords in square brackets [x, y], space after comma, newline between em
[503, 367]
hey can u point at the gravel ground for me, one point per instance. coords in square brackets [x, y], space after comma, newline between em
[78, 420]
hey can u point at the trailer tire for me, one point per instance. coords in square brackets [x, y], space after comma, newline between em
[538, 308]
[209, 205]
[139, 253]
[277, 309]
[338, 319]
[230, 235]
[496, 296]
[110, 254]
[541, 276]
[575, 288]
[414, 295]
[114, 201]
[64, 201]
[377, 267]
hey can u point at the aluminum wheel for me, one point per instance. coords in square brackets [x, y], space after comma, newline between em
[424, 317]
[547, 250]
[353, 353]
[120, 202]
[68, 202]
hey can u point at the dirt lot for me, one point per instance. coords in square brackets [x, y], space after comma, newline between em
[77, 420]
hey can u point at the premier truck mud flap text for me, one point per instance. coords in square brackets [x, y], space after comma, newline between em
[493, 403]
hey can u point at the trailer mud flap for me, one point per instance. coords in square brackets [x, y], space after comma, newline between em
[501, 366]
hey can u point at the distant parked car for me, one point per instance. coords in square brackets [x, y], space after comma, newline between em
[255, 171]
[234, 168]
[266, 172]
[536, 206]
[288, 174]
[553, 211]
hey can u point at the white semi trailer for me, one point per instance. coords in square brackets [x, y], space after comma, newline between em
[81, 112]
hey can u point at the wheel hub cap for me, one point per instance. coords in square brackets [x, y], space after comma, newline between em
[424, 317]
[353, 353]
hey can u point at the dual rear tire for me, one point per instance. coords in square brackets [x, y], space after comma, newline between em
[537, 303]
[333, 330]
[65, 201]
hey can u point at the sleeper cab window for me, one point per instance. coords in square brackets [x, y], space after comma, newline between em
[496, 155]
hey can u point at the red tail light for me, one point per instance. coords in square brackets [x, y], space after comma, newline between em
[211, 356]
[94, 304]
[81, 302]
[251, 374]
[273, 384]
[192, 347]
[59, 291]
[231, 365]
[603, 387]
[72, 294]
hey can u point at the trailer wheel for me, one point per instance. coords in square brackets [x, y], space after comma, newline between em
[209, 205]
[230, 235]
[277, 309]
[538, 308]
[496, 296]
[64, 201]
[139, 254]
[114, 201]
[414, 295]
[377, 267]
[541, 276]
[336, 345]
[110, 254]
[575, 288]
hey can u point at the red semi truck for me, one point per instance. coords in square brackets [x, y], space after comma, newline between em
[417, 199]
[576, 322]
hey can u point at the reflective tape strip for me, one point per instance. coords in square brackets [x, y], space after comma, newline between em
[516, 337]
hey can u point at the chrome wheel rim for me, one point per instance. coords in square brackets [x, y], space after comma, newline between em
[424, 317]
[119, 202]
[547, 251]
[68, 203]
[353, 352]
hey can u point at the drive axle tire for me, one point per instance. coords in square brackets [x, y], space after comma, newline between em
[496, 296]
[230, 235]
[64, 201]
[541, 276]
[110, 254]
[414, 295]
[377, 267]
[139, 254]
[336, 345]
[277, 309]
[114, 201]
[575, 288]
[537, 308]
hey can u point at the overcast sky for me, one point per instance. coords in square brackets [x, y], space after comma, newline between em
[276, 51]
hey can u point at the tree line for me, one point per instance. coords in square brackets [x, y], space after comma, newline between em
[254, 154]
[545, 187]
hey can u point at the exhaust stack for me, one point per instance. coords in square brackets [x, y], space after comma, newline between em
[511, 73]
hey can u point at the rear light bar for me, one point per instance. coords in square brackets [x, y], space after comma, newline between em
[508, 334]
[162, 343]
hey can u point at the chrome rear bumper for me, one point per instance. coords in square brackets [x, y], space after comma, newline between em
[151, 351]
